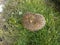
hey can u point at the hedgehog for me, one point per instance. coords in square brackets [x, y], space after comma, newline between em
[33, 22]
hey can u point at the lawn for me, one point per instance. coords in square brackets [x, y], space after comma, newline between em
[16, 34]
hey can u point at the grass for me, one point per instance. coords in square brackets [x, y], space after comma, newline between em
[49, 35]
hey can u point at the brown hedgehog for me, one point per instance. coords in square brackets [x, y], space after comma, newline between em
[33, 22]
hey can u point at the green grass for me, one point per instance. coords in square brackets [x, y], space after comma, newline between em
[49, 35]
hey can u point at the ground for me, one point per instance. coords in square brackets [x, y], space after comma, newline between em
[14, 32]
